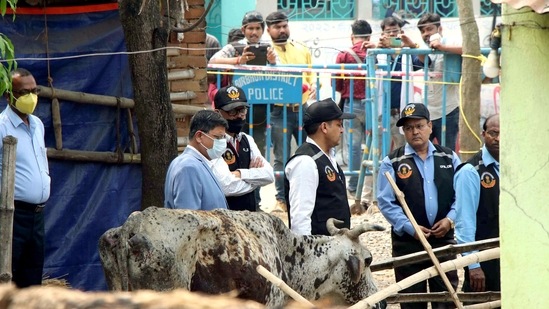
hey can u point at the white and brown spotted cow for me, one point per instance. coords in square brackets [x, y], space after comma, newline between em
[218, 251]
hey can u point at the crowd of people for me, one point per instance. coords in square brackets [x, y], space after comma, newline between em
[450, 200]
[224, 167]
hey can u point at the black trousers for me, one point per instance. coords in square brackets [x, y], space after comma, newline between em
[28, 247]
[435, 284]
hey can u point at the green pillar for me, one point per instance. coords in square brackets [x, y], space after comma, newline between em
[524, 154]
[226, 15]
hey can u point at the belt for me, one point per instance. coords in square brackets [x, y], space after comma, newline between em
[28, 206]
[293, 107]
[395, 111]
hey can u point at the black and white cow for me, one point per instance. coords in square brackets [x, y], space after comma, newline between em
[218, 251]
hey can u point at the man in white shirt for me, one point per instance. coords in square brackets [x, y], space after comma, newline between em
[314, 184]
[241, 168]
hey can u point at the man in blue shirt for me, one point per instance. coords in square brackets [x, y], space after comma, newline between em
[477, 204]
[424, 172]
[190, 182]
[32, 180]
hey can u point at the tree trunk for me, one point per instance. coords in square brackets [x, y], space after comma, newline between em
[469, 125]
[145, 28]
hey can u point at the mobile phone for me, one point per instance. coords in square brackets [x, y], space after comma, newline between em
[396, 42]
[260, 53]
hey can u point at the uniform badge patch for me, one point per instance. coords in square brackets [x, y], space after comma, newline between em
[330, 173]
[487, 180]
[229, 156]
[404, 171]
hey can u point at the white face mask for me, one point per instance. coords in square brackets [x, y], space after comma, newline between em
[218, 148]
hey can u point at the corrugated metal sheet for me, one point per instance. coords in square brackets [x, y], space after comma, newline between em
[540, 6]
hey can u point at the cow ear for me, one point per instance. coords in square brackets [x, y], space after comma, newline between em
[355, 267]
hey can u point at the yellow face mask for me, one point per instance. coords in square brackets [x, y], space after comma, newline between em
[26, 103]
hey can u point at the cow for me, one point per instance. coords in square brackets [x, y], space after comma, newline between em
[218, 251]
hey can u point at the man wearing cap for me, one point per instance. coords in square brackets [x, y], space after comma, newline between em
[314, 184]
[424, 172]
[241, 169]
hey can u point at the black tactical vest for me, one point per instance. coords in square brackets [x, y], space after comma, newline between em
[331, 194]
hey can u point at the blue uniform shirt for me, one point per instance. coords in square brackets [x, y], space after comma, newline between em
[386, 196]
[467, 187]
[32, 179]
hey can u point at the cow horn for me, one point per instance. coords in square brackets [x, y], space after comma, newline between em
[330, 226]
[365, 227]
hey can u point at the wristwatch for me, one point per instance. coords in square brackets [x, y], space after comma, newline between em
[452, 224]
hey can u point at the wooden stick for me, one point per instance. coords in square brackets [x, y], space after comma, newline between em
[492, 304]
[423, 240]
[179, 110]
[425, 274]
[440, 251]
[131, 132]
[440, 297]
[6, 207]
[56, 119]
[283, 286]
[93, 156]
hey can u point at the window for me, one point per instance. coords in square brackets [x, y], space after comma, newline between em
[414, 8]
[317, 9]
[487, 8]
[409, 9]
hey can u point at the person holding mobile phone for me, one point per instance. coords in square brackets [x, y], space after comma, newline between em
[392, 36]
[360, 39]
[431, 32]
[238, 53]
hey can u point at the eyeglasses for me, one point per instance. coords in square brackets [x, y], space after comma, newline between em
[23, 92]
[219, 137]
[240, 111]
[493, 134]
[419, 127]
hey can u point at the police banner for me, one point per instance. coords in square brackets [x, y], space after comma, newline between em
[269, 87]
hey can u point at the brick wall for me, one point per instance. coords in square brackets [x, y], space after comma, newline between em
[195, 59]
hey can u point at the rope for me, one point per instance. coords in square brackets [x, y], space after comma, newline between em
[50, 79]
[480, 58]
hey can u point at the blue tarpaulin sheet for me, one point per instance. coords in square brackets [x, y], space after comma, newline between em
[86, 198]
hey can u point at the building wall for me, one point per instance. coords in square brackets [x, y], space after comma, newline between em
[524, 210]
[190, 56]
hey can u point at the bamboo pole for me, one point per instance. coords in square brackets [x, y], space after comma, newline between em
[425, 274]
[179, 110]
[423, 240]
[6, 207]
[57, 128]
[440, 297]
[441, 251]
[131, 131]
[94, 156]
[492, 304]
[283, 286]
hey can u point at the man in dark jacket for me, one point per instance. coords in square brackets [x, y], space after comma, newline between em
[477, 200]
[314, 185]
[424, 173]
